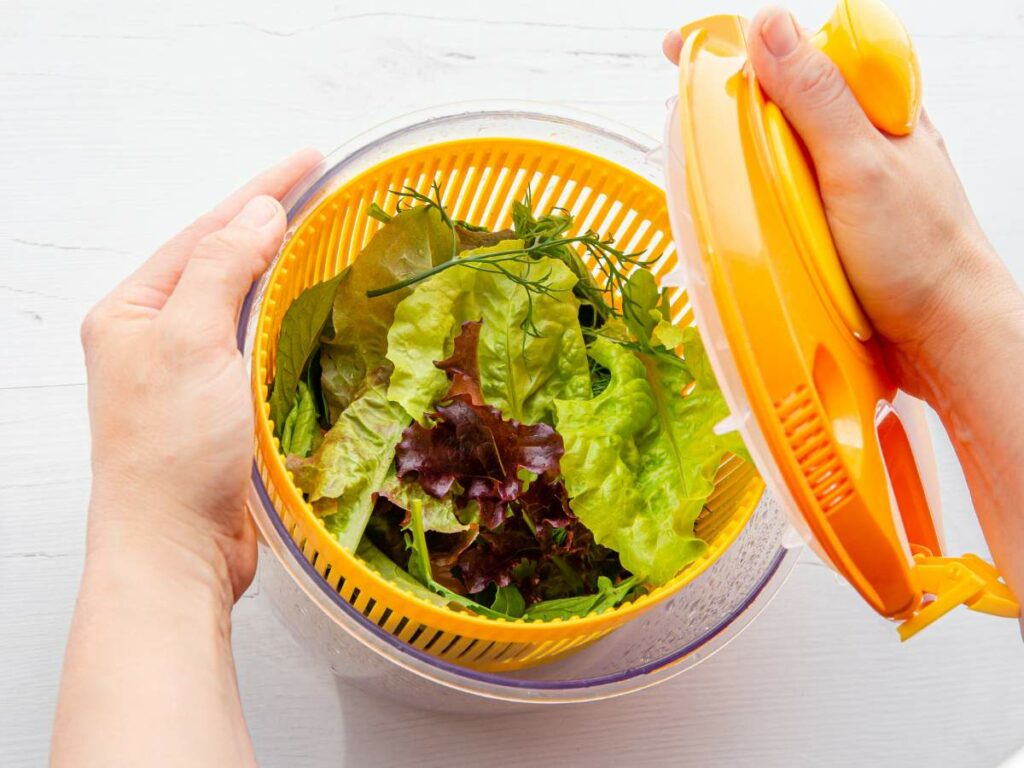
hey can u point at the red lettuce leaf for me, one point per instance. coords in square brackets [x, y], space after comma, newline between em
[528, 535]
[462, 367]
[474, 447]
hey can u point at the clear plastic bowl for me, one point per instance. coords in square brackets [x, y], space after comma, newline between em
[662, 643]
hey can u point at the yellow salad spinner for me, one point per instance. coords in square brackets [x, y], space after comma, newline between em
[801, 370]
[480, 178]
[746, 252]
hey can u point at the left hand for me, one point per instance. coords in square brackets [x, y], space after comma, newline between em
[169, 398]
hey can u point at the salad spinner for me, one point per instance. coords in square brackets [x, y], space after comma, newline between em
[747, 255]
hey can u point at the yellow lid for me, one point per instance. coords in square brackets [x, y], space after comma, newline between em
[793, 350]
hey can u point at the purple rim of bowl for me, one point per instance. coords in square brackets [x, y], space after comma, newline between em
[454, 669]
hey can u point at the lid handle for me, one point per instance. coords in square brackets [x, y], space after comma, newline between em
[876, 56]
[966, 580]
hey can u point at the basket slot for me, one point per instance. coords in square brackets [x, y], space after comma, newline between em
[376, 613]
[734, 481]
[354, 598]
[434, 638]
[464, 194]
[500, 180]
[510, 651]
[482, 652]
[483, 174]
[367, 611]
[415, 636]
[594, 209]
[541, 650]
[631, 230]
[310, 552]
[542, 187]
[453, 185]
[328, 259]
[458, 647]
[556, 186]
[389, 621]
[614, 216]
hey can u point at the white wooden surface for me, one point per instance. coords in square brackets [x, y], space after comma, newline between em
[120, 121]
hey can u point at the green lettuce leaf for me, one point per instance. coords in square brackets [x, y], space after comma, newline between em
[509, 601]
[640, 298]
[300, 427]
[411, 242]
[438, 514]
[667, 335]
[521, 374]
[419, 567]
[301, 327]
[607, 596]
[705, 403]
[352, 460]
[387, 569]
[640, 459]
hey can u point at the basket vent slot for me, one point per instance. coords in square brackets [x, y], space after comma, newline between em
[808, 439]
[416, 635]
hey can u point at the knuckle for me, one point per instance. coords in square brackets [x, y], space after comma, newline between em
[875, 168]
[219, 244]
[228, 256]
[205, 223]
[195, 231]
[227, 251]
[819, 81]
[93, 327]
[868, 168]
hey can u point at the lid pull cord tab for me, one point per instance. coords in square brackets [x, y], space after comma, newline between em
[966, 580]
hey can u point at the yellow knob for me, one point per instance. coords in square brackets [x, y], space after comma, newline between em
[876, 56]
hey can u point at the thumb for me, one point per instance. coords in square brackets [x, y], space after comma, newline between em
[808, 88]
[224, 265]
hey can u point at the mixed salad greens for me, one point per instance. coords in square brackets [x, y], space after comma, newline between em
[489, 424]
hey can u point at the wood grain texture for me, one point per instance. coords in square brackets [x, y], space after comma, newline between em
[123, 122]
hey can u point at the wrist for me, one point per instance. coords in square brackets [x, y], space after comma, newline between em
[158, 552]
[972, 317]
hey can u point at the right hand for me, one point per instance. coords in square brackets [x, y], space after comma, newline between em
[910, 244]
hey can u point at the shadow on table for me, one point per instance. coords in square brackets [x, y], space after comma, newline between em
[814, 681]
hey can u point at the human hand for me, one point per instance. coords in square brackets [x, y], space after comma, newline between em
[169, 399]
[910, 244]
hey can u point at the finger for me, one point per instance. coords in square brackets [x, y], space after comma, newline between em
[672, 45]
[152, 283]
[223, 266]
[808, 87]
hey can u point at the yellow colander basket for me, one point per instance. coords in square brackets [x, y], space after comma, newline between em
[480, 178]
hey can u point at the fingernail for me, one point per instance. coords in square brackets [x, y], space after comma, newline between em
[780, 34]
[257, 212]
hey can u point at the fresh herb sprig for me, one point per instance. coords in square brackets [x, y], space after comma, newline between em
[548, 234]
